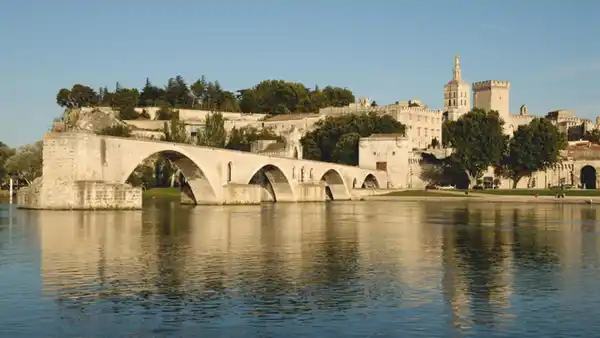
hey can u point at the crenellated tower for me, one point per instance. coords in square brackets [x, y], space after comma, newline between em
[493, 95]
[457, 93]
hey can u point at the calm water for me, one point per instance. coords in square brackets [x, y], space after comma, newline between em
[386, 269]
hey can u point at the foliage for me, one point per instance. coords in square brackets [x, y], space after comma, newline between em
[442, 171]
[241, 139]
[175, 130]
[478, 142]
[26, 162]
[329, 143]
[76, 97]
[533, 147]
[164, 113]
[214, 134]
[143, 175]
[346, 149]
[269, 96]
[116, 130]
[435, 143]
[592, 136]
[5, 153]
[447, 126]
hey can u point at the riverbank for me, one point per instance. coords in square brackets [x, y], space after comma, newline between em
[493, 196]
[172, 193]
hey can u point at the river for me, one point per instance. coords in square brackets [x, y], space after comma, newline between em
[348, 269]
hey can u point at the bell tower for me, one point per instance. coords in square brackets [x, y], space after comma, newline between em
[457, 93]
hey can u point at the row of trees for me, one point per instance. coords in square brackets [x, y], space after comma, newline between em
[479, 142]
[269, 96]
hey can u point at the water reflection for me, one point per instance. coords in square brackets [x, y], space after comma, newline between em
[426, 269]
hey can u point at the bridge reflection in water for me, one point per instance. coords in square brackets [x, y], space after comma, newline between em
[420, 267]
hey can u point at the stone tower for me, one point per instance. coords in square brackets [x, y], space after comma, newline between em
[457, 93]
[493, 95]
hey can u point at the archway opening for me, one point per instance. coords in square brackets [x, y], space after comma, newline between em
[370, 182]
[296, 153]
[169, 173]
[335, 189]
[274, 183]
[588, 177]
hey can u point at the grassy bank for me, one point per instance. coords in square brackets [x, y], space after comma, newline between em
[163, 193]
[424, 193]
[540, 192]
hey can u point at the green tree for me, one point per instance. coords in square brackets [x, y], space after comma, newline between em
[478, 142]
[533, 147]
[346, 149]
[447, 126]
[5, 153]
[214, 134]
[175, 129]
[78, 96]
[592, 136]
[26, 162]
[124, 101]
[241, 139]
[152, 96]
[119, 130]
[143, 176]
[321, 143]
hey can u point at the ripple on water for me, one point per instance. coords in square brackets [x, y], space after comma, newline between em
[349, 269]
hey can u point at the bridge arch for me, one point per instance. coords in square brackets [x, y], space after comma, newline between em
[335, 188]
[197, 185]
[370, 182]
[276, 185]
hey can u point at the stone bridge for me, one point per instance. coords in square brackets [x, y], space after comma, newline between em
[87, 171]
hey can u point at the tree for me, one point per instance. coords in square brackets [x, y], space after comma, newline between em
[125, 101]
[241, 139]
[26, 162]
[435, 143]
[533, 147]
[447, 126]
[175, 130]
[78, 96]
[346, 149]
[592, 136]
[478, 141]
[5, 153]
[151, 96]
[214, 134]
[321, 144]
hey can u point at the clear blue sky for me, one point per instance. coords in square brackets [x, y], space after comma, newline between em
[387, 50]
